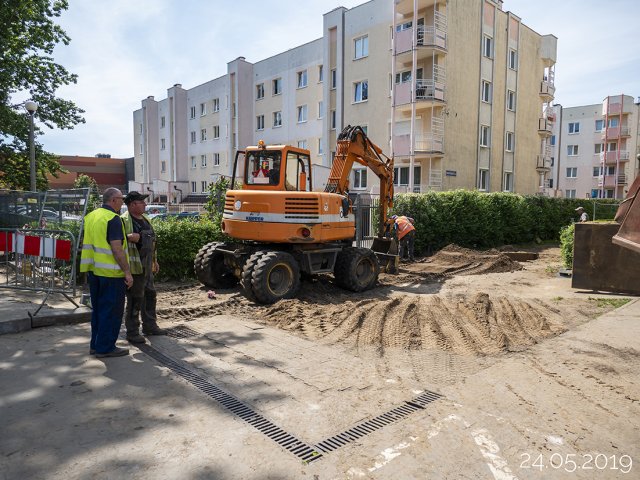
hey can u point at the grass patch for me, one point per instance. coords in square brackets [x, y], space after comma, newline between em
[557, 299]
[610, 302]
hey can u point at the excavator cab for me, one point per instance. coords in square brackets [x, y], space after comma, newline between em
[276, 167]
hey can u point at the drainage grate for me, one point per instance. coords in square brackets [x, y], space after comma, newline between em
[182, 331]
[370, 426]
[297, 447]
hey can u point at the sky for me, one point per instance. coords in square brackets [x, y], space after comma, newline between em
[124, 51]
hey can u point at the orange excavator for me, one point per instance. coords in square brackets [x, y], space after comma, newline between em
[281, 228]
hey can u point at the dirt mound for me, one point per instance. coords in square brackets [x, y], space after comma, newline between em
[480, 325]
[455, 260]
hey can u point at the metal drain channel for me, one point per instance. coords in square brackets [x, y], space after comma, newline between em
[297, 447]
[373, 424]
[300, 449]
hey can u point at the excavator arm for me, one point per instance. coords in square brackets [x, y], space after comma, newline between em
[355, 147]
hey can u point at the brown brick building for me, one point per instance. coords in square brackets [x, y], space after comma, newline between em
[107, 172]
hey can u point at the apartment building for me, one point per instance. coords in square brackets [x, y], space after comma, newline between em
[458, 91]
[596, 148]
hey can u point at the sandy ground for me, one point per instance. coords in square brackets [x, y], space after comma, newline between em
[533, 376]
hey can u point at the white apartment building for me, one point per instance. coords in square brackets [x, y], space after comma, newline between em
[596, 148]
[457, 91]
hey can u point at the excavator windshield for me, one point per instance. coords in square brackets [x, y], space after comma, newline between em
[263, 167]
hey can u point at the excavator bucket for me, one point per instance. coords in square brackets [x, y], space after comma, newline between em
[386, 249]
[628, 215]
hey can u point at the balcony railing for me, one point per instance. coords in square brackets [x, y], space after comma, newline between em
[426, 143]
[543, 162]
[545, 127]
[612, 157]
[547, 89]
[610, 180]
[426, 89]
[625, 131]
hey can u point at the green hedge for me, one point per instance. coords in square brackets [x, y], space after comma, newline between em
[566, 245]
[484, 220]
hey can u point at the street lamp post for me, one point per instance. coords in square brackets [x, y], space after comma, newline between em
[31, 108]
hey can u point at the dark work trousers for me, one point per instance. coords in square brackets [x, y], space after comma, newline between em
[141, 302]
[406, 245]
[107, 302]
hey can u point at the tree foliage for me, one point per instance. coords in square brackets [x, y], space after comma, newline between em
[28, 36]
[85, 181]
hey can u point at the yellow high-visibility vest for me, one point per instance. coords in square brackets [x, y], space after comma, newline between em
[97, 256]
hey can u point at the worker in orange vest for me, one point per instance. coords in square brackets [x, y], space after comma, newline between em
[406, 233]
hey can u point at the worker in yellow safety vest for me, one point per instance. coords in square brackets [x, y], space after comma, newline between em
[104, 257]
[406, 234]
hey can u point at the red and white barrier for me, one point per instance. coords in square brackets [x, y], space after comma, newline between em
[36, 246]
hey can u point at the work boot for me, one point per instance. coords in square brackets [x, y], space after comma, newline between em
[154, 331]
[116, 352]
[136, 338]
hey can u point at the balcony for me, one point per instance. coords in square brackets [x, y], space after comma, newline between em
[547, 90]
[428, 143]
[625, 131]
[543, 163]
[427, 92]
[610, 180]
[610, 158]
[545, 127]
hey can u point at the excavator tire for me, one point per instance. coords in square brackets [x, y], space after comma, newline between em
[247, 274]
[356, 269]
[275, 276]
[210, 268]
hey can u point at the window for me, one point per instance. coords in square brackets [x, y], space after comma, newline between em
[483, 179]
[320, 109]
[511, 100]
[277, 86]
[513, 59]
[403, 26]
[216, 104]
[360, 91]
[487, 47]
[277, 119]
[320, 151]
[553, 160]
[141, 128]
[359, 178]
[599, 125]
[572, 150]
[260, 122]
[570, 193]
[163, 166]
[141, 151]
[486, 92]
[203, 109]
[203, 160]
[163, 144]
[193, 137]
[259, 91]
[574, 127]
[193, 187]
[203, 185]
[203, 134]
[598, 148]
[162, 122]
[320, 74]
[507, 182]
[194, 163]
[216, 131]
[361, 47]
[302, 113]
[597, 171]
[552, 141]
[572, 172]
[608, 193]
[401, 176]
[193, 112]
[509, 142]
[612, 146]
[333, 119]
[334, 78]
[302, 144]
[613, 122]
[485, 135]
[233, 110]
[302, 79]
[216, 159]
[551, 183]
[611, 170]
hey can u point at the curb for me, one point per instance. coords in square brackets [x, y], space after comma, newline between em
[62, 317]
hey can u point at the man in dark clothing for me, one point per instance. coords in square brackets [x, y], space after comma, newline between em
[141, 297]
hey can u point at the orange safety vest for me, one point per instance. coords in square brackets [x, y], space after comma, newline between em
[404, 226]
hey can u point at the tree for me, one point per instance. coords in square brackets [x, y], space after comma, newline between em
[85, 181]
[28, 37]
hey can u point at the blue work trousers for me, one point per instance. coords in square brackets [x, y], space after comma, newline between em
[107, 301]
